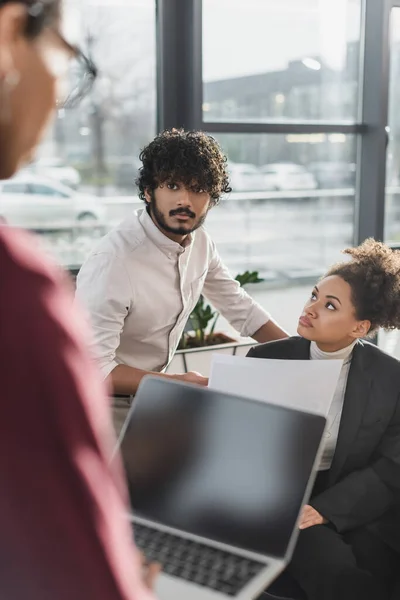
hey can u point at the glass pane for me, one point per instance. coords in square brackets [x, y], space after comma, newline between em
[392, 207]
[93, 149]
[289, 224]
[390, 341]
[281, 59]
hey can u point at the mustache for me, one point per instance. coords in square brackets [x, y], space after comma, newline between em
[182, 211]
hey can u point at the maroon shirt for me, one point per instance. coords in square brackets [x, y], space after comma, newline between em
[63, 535]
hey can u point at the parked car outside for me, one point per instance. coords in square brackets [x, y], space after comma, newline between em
[334, 174]
[58, 170]
[32, 202]
[245, 177]
[287, 176]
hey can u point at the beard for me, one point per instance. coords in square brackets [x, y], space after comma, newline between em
[162, 222]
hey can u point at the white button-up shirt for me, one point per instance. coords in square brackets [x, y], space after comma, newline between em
[139, 289]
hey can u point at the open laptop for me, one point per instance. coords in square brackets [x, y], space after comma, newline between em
[216, 483]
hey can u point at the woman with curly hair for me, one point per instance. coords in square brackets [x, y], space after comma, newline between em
[142, 282]
[350, 532]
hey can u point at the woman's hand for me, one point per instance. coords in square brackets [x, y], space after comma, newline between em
[150, 572]
[311, 517]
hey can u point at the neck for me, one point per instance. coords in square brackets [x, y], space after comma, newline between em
[334, 347]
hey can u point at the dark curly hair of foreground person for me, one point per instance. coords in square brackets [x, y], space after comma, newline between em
[374, 277]
[191, 158]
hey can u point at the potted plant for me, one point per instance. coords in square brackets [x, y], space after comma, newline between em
[200, 337]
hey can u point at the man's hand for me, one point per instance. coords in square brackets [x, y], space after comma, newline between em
[311, 517]
[192, 377]
[150, 572]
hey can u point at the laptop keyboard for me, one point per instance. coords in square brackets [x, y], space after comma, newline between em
[195, 562]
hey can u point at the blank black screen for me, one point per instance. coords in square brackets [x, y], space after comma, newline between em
[219, 466]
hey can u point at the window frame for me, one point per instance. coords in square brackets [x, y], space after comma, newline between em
[180, 98]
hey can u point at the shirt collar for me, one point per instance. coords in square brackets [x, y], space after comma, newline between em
[164, 243]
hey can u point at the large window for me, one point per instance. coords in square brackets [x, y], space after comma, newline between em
[282, 93]
[296, 93]
[292, 206]
[90, 155]
[392, 208]
[390, 342]
[282, 60]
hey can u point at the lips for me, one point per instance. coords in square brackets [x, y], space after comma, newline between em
[305, 321]
[182, 214]
[182, 217]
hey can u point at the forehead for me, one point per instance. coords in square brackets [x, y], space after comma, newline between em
[335, 286]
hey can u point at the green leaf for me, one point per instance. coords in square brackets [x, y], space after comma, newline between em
[248, 277]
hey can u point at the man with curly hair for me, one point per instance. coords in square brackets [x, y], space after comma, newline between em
[142, 282]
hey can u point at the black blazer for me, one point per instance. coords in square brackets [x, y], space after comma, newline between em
[364, 480]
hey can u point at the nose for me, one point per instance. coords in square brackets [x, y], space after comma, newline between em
[311, 309]
[184, 198]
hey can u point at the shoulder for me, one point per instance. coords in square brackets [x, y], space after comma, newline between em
[207, 249]
[116, 249]
[25, 268]
[36, 299]
[122, 240]
[203, 253]
[289, 348]
[379, 359]
[203, 239]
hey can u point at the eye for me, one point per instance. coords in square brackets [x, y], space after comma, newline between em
[313, 296]
[330, 306]
[173, 186]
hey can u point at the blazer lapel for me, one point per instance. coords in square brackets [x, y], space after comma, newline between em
[355, 401]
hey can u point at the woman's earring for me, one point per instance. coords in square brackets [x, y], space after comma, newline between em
[7, 85]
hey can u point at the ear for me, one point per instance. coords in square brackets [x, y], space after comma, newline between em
[361, 330]
[147, 196]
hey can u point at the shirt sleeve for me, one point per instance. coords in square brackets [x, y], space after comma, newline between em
[231, 300]
[105, 293]
[64, 532]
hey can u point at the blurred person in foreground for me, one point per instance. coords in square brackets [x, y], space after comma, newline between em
[142, 282]
[349, 544]
[63, 531]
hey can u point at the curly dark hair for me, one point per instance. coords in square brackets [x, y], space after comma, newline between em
[374, 277]
[191, 158]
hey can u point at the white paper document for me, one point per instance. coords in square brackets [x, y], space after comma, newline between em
[307, 385]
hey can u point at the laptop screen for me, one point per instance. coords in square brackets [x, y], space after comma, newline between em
[219, 466]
